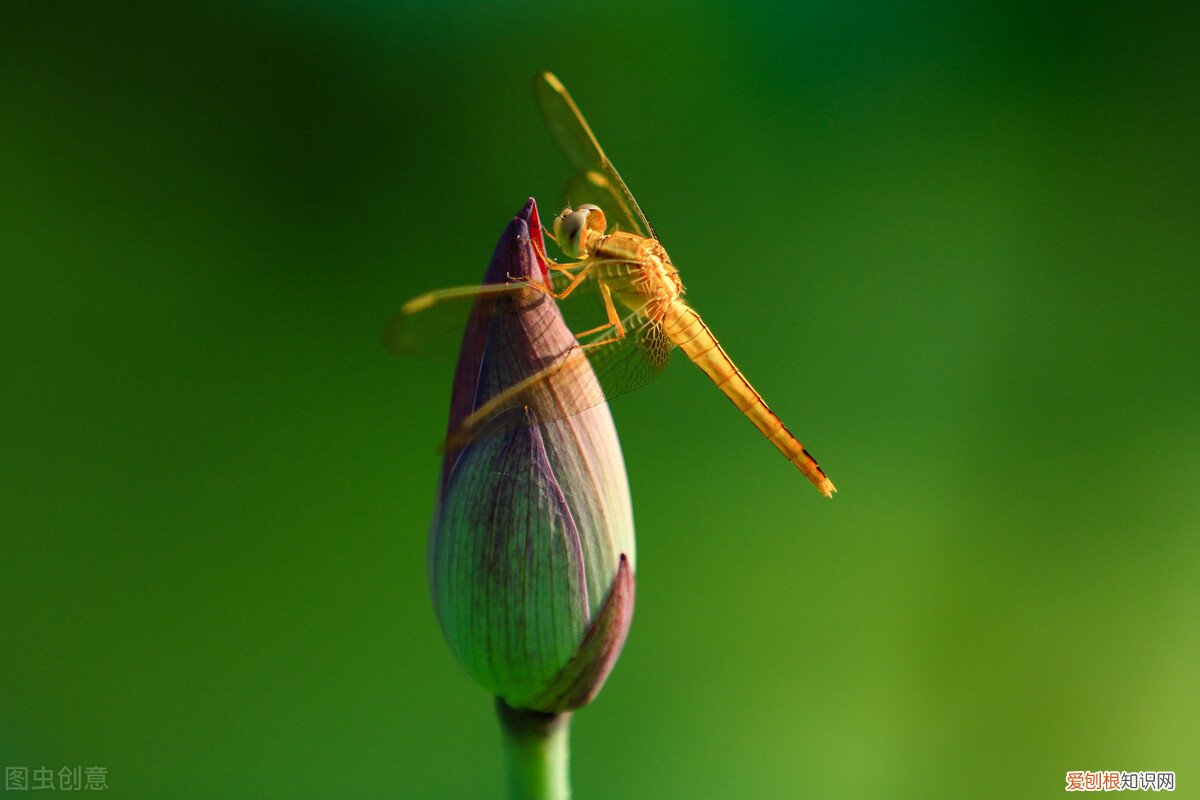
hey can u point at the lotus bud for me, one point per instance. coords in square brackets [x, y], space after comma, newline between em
[532, 549]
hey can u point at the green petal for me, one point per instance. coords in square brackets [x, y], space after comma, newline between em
[509, 569]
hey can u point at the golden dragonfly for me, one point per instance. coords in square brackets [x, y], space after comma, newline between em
[616, 254]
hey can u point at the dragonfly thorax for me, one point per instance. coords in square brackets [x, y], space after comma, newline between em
[638, 272]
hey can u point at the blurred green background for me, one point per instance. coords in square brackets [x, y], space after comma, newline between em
[955, 248]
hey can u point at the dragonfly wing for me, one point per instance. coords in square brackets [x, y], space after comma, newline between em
[432, 324]
[571, 375]
[631, 361]
[597, 180]
[579, 376]
[594, 186]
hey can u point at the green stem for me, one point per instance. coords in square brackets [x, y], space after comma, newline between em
[537, 753]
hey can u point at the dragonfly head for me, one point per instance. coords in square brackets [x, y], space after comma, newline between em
[572, 226]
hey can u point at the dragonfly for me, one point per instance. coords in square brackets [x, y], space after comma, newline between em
[616, 256]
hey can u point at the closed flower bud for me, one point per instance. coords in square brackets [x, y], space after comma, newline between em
[532, 547]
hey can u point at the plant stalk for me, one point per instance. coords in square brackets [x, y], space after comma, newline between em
[537, 753]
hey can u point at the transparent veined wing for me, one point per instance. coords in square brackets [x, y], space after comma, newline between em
[432, 324]
[572, 376]
[524, 320]
[631, 361]
[596, 180]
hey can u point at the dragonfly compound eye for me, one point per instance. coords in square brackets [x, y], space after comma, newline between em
[568, 230]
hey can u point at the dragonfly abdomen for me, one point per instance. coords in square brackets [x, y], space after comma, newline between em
[685, 328]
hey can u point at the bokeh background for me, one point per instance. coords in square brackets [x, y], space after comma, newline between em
[956, 248]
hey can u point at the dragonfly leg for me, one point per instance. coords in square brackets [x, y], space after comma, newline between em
[550, 262]
[614, 322]
[576, 279]
[566, 269]
[539, 248]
